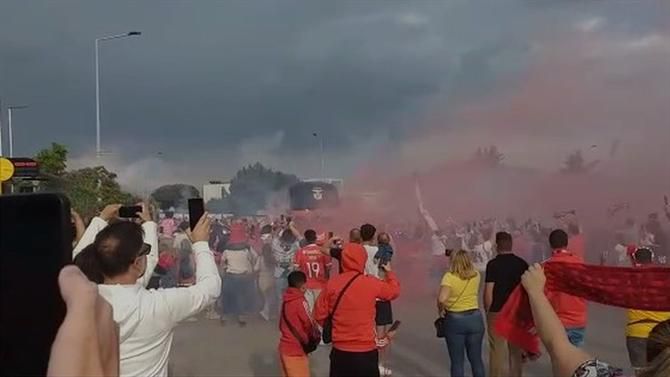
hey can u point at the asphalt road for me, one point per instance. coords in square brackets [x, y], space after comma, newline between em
[205, 348]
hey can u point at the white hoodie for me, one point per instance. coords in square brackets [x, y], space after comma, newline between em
[147, 318]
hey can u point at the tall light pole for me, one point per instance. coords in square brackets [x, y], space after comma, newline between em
[323, 160]
[10, 129]
[98, 151]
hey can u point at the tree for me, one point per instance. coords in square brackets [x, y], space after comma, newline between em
[174, 196]
[575, 164]
[253, 184]
[489, 157]
[53, 160]
[90, 189]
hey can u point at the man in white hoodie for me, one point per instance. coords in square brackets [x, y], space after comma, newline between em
[126, 253]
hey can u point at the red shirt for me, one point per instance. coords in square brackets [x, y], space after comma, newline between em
[314, 264]
[571, 310]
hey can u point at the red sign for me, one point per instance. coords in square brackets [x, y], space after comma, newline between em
[25, 167]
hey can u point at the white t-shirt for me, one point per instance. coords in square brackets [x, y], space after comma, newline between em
[371, 267]
[482, 254]
[436, 245]
[239, 261]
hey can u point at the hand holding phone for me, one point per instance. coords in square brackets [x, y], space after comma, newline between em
[196, 209]
[130, 212]
[201, 230]
[110, 212]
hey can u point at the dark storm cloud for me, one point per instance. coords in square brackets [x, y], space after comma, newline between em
[212, 74]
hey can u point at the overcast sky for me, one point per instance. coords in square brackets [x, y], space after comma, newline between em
[258, 78]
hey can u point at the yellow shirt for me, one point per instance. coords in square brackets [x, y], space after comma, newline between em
[468, 299]
[647, 321]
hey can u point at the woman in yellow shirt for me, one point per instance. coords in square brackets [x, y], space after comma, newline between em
[641, 322]
[458, 302]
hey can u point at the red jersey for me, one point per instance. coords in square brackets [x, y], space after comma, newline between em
[314, 264]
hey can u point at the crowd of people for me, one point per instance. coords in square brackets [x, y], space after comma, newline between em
[321, 288]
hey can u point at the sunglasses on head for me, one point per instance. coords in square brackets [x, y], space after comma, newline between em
[144, 250]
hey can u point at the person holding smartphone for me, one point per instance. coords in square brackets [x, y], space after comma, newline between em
[126, 253]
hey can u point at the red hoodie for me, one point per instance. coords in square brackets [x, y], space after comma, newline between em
[354, 320]
[297, 312]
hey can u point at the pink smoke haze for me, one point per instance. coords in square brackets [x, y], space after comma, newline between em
[607, 95]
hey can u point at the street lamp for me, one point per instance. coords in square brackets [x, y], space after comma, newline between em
[323, 161]
[10, 129]
[98, 151]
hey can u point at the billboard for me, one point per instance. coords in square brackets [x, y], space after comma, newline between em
[313, 195]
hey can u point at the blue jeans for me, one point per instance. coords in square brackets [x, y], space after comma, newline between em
[465, 333]
[576, 336]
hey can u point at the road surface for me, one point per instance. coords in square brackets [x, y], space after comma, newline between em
[205, 348]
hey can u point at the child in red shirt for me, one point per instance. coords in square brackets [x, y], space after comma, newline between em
[296, 326]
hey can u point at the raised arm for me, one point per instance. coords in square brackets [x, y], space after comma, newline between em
[184, 302]
[565, 358]
[97, 224]
[424, 212]
[294, 229]
[150, 237]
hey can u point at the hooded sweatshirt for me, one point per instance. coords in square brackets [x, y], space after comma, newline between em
[147, 318]
[297, 312]
[354, 319]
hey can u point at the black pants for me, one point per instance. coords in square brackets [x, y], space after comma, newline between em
[354, 364]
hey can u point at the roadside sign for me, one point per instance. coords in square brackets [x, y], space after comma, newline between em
[25, 167]
[6, 169]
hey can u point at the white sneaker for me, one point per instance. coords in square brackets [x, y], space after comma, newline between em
[266, 316]
[384, 371]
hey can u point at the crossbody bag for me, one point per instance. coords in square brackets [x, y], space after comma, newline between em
[327, 333]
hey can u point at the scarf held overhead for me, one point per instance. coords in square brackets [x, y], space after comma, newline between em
[632, 288]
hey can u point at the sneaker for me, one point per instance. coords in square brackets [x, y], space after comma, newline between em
[265, 316]
[384, 371]
[242, 321]
[212, 315]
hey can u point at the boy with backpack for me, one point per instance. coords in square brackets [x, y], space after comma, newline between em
[299, 333]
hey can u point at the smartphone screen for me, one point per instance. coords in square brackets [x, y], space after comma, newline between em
[129, 212]
[394, 326]
[196, 208]
[35, 243]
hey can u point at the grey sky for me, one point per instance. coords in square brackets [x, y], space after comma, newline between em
[208, 76]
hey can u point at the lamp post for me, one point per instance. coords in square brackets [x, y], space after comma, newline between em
[98, 150]
[10, 130]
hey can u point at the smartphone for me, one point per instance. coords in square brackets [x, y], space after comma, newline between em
[196, 208]
[31, 307]
[394, 326]
[129, 212]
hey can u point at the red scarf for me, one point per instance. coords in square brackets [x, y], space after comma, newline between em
[625, 287]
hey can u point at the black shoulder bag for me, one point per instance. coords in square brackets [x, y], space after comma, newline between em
[313, 339]
[327, 333]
